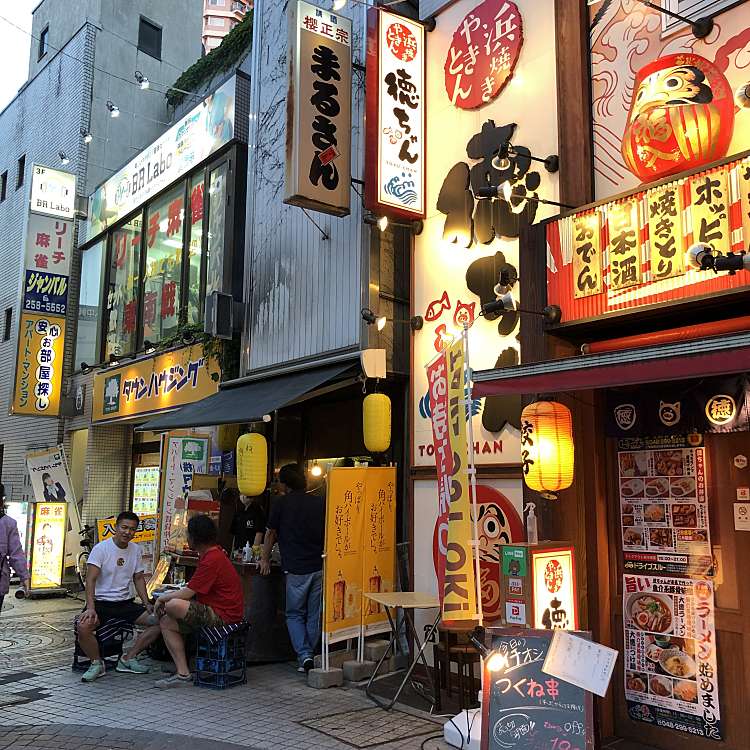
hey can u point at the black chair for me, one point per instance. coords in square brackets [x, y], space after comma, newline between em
[110, 638]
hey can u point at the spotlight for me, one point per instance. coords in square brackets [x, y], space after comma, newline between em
[339, 4]
[87, 137]
[113, 361]
[383, 223]
[142, 80]
[188, 338]
[114, 110]
[63, 158]
[371, 319]
[86, 368]
[316, 470]
[148, 347]
[702, 258]
[495, 661]
[501, 160]
[266, 418]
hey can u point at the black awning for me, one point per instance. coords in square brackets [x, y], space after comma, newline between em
[246, 402]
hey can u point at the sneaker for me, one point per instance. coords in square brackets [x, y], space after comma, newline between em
[307, 665]
[94, 672]
[175, 681]
[131, 665]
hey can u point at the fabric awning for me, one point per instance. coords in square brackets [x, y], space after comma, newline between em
[246, 402]
[719, 355]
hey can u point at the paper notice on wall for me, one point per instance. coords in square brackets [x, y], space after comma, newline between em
[580, 662]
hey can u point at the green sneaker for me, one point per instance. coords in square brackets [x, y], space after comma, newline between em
[94, 672]
[131, 665]
[175, 681]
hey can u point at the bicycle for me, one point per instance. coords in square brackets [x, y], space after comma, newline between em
[88, 539]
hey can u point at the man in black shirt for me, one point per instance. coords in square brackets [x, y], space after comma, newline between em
[248, 524]
[297, 519]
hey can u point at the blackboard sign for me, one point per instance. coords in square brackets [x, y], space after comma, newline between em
[525, 709]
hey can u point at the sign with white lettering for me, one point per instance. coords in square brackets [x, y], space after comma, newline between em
[53, 193]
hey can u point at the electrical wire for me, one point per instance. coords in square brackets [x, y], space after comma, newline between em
[431, 737]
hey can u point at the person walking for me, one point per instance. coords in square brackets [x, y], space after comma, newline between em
[11, 552]
[297, 520]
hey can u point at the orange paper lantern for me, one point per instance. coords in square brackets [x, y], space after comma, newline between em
[547, 451]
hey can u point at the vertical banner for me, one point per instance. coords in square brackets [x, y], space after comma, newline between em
[709, 209]
[395, 121]
[345, 517]
[181, 458]
[48, 545]
[665, 231]
[41, 334]
[379, 550]
[459, 586]
[587, 255]
[319, 121]
[624, 244]
[743, 174]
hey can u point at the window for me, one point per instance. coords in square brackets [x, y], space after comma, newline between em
[217, 199]
[690, 9]
[89, 305]
[219, 3]
[161, 290]
[216, 21]
[43, 42]
[122, 295]
[8, 324]
[149, 38]
[21, 171]
[3, 185]
[195, 241]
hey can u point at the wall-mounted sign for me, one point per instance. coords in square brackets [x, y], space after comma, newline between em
[318, 140]
[41, 341]
[154, 384]
[50, 478]
[48, 545]
[53, 193]
[555, 606]
[395, 115]
[205, 129]
[646, 236]
[146, 531]
[483, 53]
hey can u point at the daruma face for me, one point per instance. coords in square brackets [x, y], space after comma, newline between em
[681, 116]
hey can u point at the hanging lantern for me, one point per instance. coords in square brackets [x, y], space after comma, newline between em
[227, 436]
[376, 422]
[547, 451]
[252, 464]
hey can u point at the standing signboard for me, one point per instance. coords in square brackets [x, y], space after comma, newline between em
[395, 138]
[48, 545]
[318, 139]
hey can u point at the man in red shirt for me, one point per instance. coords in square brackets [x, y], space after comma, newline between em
[212, 598]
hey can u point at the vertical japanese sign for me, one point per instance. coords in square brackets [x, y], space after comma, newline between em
[48, 545]
[670, 654]
[41, 333]
[743, 179]
[379, 550]
[624, 245]
[587, 255]
[346, 505]
[459, 585]
[665, 231]
[318, 140]
[181, 458]
[554, 590]
[395, 115]
[710, 209]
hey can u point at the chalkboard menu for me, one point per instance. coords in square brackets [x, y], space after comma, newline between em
[525, 709]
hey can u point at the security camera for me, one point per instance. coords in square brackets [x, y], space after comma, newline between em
[700, 256]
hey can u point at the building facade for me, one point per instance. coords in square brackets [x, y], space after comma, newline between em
[219, 18]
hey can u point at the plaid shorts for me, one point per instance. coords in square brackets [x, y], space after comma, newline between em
[199, 616]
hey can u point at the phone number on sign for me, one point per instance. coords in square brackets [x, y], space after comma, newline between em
[51, 308]
[679, 727]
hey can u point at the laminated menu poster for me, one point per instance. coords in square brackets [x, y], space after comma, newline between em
[670, 654]
[664, 511]
[523, 708]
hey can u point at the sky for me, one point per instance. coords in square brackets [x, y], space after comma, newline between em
[14, 46]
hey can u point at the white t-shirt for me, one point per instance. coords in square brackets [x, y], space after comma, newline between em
[118, 566]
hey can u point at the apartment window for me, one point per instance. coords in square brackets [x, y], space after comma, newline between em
[8, 323]
[3, 185]
[21, 171]
[219, 3]
[216, 21]
[149, 38]
[43, 42]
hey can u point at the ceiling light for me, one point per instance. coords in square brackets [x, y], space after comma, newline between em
[142, 80]
[63, 158]
[114, 110]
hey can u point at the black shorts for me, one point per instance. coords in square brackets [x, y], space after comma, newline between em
[126, 610]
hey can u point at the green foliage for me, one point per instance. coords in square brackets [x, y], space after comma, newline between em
[226, 352]
[234, 47]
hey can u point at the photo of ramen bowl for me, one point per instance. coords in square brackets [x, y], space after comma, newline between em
[636, 682]
[682, 487]
[657, 487]
[655, 513]
[652, 613]
[677, 663]
[631, 488]
[654, 652]
[632, 537]
[661, 686]
[686, 691]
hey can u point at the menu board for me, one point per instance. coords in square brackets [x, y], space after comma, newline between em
[664, 511]
[670, 654]
[146, 490]
[525, 709]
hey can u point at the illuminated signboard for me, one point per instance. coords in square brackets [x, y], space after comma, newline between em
[555, 606]
[48, 545]
[53, 193]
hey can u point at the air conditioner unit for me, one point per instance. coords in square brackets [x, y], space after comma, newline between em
[219, 317]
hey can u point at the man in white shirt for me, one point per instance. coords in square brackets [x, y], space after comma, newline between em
[112, 566]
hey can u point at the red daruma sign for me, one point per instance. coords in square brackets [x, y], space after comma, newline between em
[483, 53]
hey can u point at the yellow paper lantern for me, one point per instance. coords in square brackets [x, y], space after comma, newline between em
[227, 436]
[252, 464]
[547, 451]
[376, 422]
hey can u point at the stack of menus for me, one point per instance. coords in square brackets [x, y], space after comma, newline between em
[668, 594]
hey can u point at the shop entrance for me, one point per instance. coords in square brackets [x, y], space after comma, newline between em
[680, 672]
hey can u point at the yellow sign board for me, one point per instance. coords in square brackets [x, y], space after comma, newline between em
[151, 385]
[41, 341]
[48, 545]
[146, 531]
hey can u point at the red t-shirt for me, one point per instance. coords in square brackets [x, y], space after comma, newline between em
[217, 585]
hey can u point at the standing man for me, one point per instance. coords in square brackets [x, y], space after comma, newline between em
[298, 521]
[112, 566]
[11, 552]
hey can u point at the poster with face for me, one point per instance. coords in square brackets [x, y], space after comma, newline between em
[48, 471]
[467, 254]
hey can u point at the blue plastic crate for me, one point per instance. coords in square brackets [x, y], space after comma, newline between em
[231, 647]
[218, 666]
[220, 681]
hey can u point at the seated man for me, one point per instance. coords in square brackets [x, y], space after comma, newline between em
[212, 598]
[112, 566]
